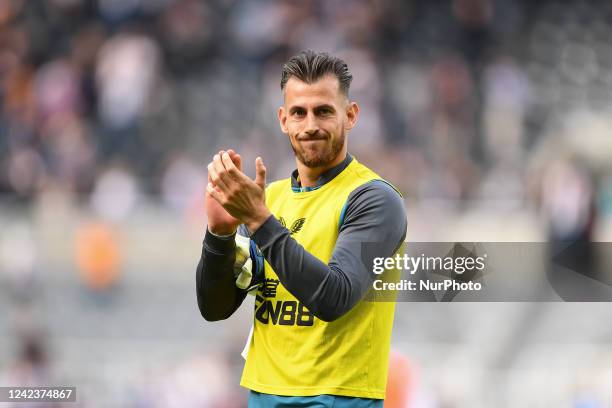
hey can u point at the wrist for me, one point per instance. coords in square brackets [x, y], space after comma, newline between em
[219, 244]
[253, 223]
[222, 231]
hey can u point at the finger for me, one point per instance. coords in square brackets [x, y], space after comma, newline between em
[215, 193]
[235, 158]
[260, 176]
[237, 161]
[231, 167]
[214, 177]
[222, 172]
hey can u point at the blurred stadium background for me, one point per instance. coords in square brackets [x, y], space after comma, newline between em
[492, 116]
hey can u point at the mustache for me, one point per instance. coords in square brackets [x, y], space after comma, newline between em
[314, 136]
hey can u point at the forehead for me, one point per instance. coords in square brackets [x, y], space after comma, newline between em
[324, 91]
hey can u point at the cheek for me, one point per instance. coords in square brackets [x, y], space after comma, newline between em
[292, 133]
[334, 126]
[294, 129]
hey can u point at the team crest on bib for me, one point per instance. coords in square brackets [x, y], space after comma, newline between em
[295, 227]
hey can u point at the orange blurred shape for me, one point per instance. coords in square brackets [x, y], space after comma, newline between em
[97, 255]
[399, 382]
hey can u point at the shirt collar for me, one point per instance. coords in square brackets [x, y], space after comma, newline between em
[326, 177]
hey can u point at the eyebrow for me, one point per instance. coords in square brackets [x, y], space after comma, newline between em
[295, 108]
[325, 106]
[318, 107]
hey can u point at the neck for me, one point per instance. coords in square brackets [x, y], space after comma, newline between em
[310, 175]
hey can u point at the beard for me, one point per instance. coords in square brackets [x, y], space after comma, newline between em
[319, 158]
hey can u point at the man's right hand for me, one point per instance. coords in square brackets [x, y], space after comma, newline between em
[220, 222]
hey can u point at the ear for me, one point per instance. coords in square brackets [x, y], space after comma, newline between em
[282, 119]
[352, 114]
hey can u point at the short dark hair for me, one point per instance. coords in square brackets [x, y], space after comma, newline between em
[310, 66]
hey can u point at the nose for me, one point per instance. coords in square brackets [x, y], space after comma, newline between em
[311, 125]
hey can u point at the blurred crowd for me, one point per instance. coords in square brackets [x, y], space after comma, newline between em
[461, 100]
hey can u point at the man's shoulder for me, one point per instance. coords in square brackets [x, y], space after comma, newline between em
[369, 178]
[377, 192]
[376, 209]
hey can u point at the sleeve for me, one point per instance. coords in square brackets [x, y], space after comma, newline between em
[373, 213]
[216, 289]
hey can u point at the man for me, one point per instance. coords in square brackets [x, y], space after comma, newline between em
[316, 341]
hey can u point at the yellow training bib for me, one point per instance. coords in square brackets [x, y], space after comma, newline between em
[294, 353]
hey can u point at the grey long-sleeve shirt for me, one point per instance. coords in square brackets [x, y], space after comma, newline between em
[374, 213]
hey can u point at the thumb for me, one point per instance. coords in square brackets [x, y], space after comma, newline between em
[260, 177]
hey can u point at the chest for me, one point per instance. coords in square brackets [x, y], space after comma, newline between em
[311, 221]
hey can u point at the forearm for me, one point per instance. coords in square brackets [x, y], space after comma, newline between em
[217, 294]
[325, 290]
